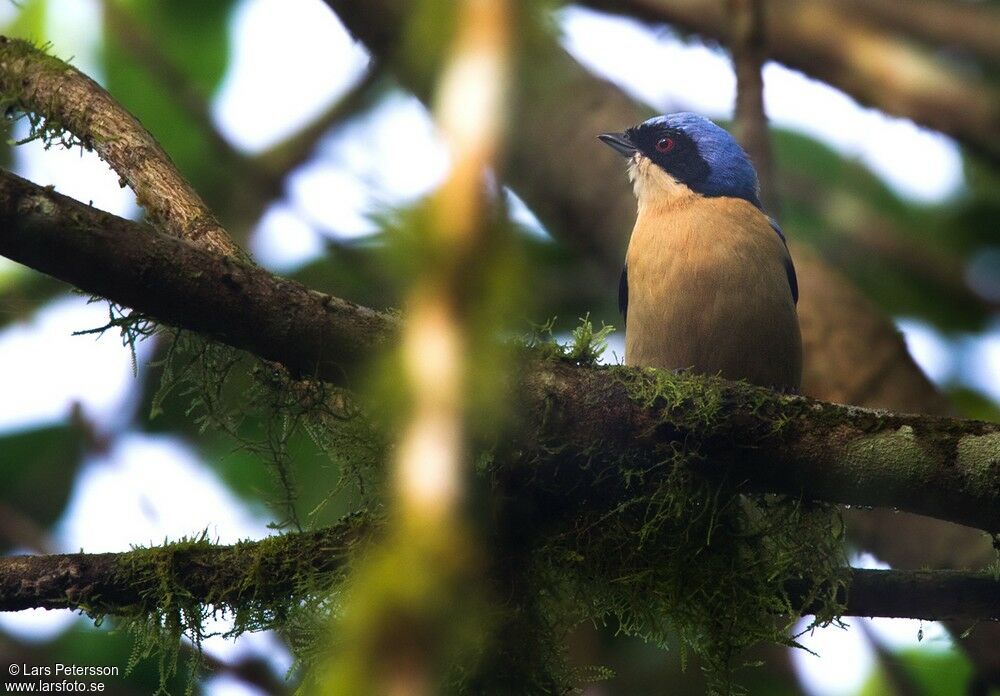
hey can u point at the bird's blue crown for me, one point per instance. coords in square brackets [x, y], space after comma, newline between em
[698, 153]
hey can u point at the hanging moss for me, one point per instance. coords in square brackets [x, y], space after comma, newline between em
[652, 546]
[663, 551]
[262, 408]
[283, 582]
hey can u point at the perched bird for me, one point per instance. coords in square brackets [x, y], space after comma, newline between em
[708, 283]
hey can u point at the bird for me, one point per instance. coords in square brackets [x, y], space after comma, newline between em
[708, 286]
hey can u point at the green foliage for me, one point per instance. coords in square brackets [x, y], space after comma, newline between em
[29, 24]
[37, 469]
[927, 672]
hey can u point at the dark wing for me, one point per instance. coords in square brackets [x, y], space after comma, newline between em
[793, 282]
[623, 294]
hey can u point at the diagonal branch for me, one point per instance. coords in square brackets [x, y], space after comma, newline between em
[940, 467]
[274, 568]
[184, 285]
[830, 43]
[958, 26]
[69, 101]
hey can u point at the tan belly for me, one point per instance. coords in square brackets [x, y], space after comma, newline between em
[715, 302]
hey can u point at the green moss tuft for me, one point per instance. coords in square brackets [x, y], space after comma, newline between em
[585, 347]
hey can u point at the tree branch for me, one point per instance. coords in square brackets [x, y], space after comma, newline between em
[184, 285]
[832, 44]
[750, 121]
[69, 101]
[944, 468]
[114, 583]
[972, 27]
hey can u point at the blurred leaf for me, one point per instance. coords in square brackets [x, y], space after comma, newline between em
[37, 470]
[29, 23]
[933, 673]
[23, 291]
[910, 258]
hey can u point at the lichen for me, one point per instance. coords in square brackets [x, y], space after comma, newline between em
[979, 458]
[902, 446]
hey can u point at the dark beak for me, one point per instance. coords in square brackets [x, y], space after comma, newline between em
[620, 142]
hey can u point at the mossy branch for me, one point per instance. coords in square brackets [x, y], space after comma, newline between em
[262, 572]
[274, 570]
[940, 467]
[60, 100]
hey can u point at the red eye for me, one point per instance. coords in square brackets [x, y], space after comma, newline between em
[664, 144]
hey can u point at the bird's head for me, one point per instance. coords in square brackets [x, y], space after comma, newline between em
[684, 154]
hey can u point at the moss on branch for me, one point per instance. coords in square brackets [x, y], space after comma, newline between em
[271, 574]
[941, 467]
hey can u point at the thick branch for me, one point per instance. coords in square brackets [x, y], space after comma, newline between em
[945, 468]
[68, 100]
[119, 582]
[184, 285]
[872, 65]
[923, 594]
